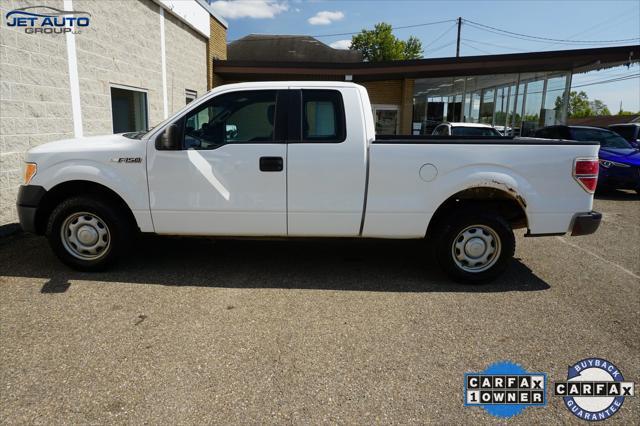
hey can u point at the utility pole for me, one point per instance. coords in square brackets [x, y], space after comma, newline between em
[458, 43]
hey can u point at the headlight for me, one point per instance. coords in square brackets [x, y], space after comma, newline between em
[30, 170]
[607, 164]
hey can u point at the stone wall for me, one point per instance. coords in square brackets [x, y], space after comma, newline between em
[121, 46]
[186, 51]
[118, 48]
[35, 102]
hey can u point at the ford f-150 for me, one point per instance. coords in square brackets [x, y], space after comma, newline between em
[301, 159]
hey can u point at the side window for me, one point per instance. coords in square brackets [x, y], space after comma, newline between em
[323, 116]
[237, 117]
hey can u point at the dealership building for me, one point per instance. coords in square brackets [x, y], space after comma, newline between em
[139, 61]
[514, 92]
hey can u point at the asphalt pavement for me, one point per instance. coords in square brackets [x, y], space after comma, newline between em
[194, 330]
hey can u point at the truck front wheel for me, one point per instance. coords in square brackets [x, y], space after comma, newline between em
[87, 234]
[475, 248]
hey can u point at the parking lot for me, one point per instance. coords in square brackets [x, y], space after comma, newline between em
[201, 331]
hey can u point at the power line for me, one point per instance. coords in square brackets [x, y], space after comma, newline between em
[491, 44]
[545, 39]
[435, 49]
[627, 14]
[402, 27]
[612, 80]
[475, 48]
[440, 36]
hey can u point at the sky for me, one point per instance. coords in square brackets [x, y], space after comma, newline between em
[587, 21]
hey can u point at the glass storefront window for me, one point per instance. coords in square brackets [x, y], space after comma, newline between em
[513, 103]
[553, 101]
[487, 105]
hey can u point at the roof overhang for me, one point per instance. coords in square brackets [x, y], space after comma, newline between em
[578, 60]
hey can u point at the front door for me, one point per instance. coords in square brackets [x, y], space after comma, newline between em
[229, 178]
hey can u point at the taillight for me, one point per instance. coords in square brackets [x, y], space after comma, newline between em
[585, 172]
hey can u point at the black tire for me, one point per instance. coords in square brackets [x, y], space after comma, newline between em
[103, 215]
[450, 233]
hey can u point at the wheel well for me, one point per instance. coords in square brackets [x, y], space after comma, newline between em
[510, 207]
[65, 190]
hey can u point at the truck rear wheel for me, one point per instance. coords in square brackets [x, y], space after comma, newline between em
[87, 234]
[475, 248]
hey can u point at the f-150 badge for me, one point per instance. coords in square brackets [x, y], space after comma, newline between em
[127, 160]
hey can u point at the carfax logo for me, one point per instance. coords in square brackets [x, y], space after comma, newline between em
[505, 389]
[47, 20]
[595, 389]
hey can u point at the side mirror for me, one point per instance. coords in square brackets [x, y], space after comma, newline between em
[169, 139]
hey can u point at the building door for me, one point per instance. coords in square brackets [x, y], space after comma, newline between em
[386, 118]
[229, 177]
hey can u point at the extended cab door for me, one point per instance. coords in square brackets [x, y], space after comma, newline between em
[229, 178]
[326, 162]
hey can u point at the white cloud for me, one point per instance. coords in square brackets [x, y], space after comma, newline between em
[257, 9]
[325, 17]
[341, 44]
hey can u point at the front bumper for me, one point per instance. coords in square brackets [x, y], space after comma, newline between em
[29, 198]
[586, 223]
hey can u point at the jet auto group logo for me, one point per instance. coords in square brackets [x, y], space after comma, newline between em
[47, 20]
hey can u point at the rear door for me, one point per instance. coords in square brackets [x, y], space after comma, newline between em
[326, 162]
[229, 178]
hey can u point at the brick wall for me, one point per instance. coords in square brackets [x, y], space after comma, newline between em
[35, 103]
[384, 92]
[216, 49]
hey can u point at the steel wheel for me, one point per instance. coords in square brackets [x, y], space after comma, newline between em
[85, 236]
[476, 248]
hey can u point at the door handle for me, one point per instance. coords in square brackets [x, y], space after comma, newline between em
[271, 164]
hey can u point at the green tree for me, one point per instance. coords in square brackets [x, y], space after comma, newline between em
[380, 44]
[599, 108]
[579, 105]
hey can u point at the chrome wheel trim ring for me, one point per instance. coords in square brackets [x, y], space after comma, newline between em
[85, 236]
[476, 248]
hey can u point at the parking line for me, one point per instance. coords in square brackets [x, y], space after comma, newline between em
[622, 268]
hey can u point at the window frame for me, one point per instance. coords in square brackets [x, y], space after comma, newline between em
[295, 127]
[141, 90]
[279, 119]
[190, 94]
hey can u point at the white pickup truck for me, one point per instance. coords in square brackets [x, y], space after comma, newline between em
[301, 159]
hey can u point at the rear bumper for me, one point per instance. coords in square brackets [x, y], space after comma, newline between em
[585, 223]
[29, 197]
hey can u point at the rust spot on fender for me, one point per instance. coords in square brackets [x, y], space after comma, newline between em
[478, 189]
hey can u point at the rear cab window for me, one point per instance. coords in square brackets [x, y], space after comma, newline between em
[322, 118]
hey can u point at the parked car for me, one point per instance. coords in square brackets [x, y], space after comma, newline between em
[304, 161]
[465, 129]
[629, 131]
[619, 161]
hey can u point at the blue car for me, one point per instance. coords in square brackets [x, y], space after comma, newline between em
[619, 161]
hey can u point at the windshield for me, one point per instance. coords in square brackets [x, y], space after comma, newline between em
[606, 138]
[474, 131]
